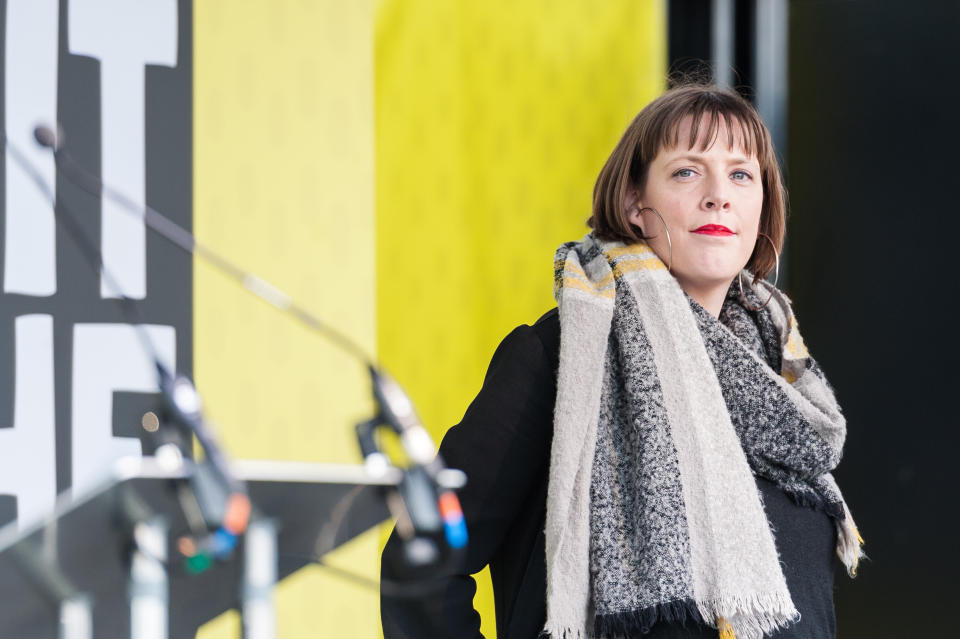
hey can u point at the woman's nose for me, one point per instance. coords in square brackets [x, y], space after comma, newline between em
[715, 198]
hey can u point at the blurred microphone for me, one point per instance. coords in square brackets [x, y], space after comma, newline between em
[45, 137]
[428, 487]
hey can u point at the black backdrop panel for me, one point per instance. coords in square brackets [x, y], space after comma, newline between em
[873, 144]
[167, 102]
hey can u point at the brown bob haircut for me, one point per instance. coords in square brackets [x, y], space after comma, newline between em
[657, 127]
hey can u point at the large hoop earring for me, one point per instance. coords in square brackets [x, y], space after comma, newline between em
[776, 277]
[665, 230]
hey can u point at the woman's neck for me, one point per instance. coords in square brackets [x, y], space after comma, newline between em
[710, 297]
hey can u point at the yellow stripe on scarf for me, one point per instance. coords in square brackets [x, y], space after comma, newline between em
[573, 282]
[635, 257]
[622, 267]
[623, 259]
[638, 249]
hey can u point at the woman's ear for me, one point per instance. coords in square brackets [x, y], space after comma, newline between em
[633, 207]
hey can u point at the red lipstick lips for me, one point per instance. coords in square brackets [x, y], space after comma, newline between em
[713, 229]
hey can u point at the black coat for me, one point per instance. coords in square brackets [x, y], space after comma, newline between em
[503, 444]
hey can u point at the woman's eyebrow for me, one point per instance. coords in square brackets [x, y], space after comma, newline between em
[687, 158]
[740, 159]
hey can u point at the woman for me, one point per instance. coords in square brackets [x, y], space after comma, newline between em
[652, 458]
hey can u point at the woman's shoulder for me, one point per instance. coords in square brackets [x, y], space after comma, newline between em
[547, 329]
[549, 320]
[527, 358]
[539, 341]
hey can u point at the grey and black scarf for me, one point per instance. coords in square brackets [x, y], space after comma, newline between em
[663, 415]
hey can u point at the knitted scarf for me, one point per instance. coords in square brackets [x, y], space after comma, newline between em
[663, 415]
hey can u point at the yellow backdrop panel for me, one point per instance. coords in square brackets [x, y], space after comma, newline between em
[283, 108]
[492, 121]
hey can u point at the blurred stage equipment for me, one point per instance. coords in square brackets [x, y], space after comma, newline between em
[98, 565]
[103, 564]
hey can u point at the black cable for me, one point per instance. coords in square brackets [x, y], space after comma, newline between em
[179, 236]
[83, 242]
[191, 419]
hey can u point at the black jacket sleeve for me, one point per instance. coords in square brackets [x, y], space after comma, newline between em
[503, 444]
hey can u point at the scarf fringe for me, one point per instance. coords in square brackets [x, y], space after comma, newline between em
[834, 510]
[628, 622]
[560, 633]
[849, 543]
[750, 616]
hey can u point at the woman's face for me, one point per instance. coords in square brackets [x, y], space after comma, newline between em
[710, 201]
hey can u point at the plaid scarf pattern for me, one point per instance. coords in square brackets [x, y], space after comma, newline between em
[663, 416]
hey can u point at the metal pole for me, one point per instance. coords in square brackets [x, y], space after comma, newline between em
[259, 577]
[76, 618]
[149, 587]
[722, 38]
[770, 62]
[771, 83]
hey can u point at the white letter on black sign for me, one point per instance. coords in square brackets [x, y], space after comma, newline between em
[125, 36]
[28, 468]
[30, 98]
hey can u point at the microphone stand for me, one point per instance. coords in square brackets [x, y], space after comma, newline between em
[223, 501]
[432, 509]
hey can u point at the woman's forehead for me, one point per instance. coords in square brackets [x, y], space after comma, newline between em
[702, 133]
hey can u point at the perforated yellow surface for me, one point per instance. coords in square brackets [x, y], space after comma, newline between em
[493, 120]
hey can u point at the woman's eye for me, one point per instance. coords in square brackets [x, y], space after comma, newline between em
[683, 173]
[740, 176]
